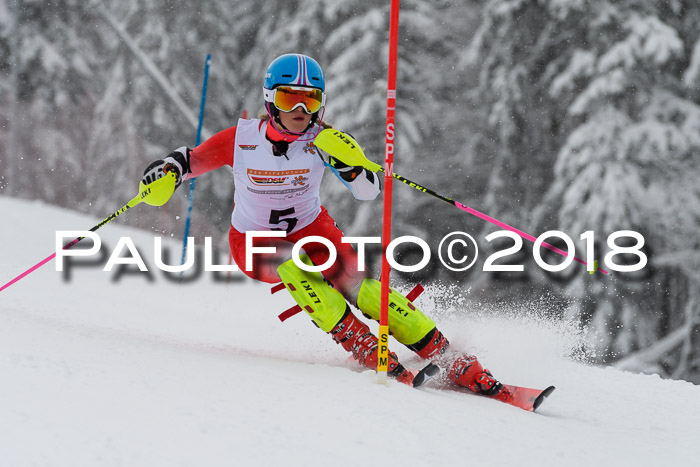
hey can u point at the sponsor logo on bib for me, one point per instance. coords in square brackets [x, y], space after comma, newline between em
[278, 177]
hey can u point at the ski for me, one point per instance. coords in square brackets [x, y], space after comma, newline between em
[518, 396]
[425, 374]
[525, 398]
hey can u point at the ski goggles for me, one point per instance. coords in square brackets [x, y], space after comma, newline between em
[288, 98]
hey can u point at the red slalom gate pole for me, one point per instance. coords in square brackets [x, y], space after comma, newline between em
[383, 355]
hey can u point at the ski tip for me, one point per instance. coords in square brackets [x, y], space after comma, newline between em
[425, 374]
[543, 395]
[431, 369]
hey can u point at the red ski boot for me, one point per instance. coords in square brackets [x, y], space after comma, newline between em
[355, 337]
[466, 371]
[433, 345]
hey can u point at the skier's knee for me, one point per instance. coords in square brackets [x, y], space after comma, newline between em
[407, 323]
[325, 305]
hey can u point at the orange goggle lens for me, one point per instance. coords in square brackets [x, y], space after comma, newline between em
[288, 98]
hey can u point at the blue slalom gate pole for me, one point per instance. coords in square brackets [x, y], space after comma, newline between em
[190, 196]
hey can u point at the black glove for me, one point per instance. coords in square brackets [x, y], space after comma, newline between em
[158, 169]
[346, 172]
[177, 161]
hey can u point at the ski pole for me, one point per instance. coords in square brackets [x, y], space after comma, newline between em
[347, 150]
[490, 219]
[155, 194]
[190, 195]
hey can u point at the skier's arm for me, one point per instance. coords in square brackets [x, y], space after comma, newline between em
[362, 183]
[188, 163]
[214, 153]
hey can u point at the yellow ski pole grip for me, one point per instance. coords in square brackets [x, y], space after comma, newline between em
[344, 148]
[159, 192]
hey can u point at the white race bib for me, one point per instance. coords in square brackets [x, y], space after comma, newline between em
[274, 192]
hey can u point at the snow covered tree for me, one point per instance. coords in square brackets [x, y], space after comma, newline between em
[630, 163]
[592, 116]
[514, 53]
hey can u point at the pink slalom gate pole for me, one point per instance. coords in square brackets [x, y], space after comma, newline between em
[383, 354]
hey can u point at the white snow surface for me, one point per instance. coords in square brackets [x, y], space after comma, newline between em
[98, 372]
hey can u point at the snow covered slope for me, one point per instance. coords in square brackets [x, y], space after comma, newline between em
[122, 371]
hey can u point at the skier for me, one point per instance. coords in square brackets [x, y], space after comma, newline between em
[277, 176]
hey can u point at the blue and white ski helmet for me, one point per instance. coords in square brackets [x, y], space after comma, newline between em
[294, 69]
